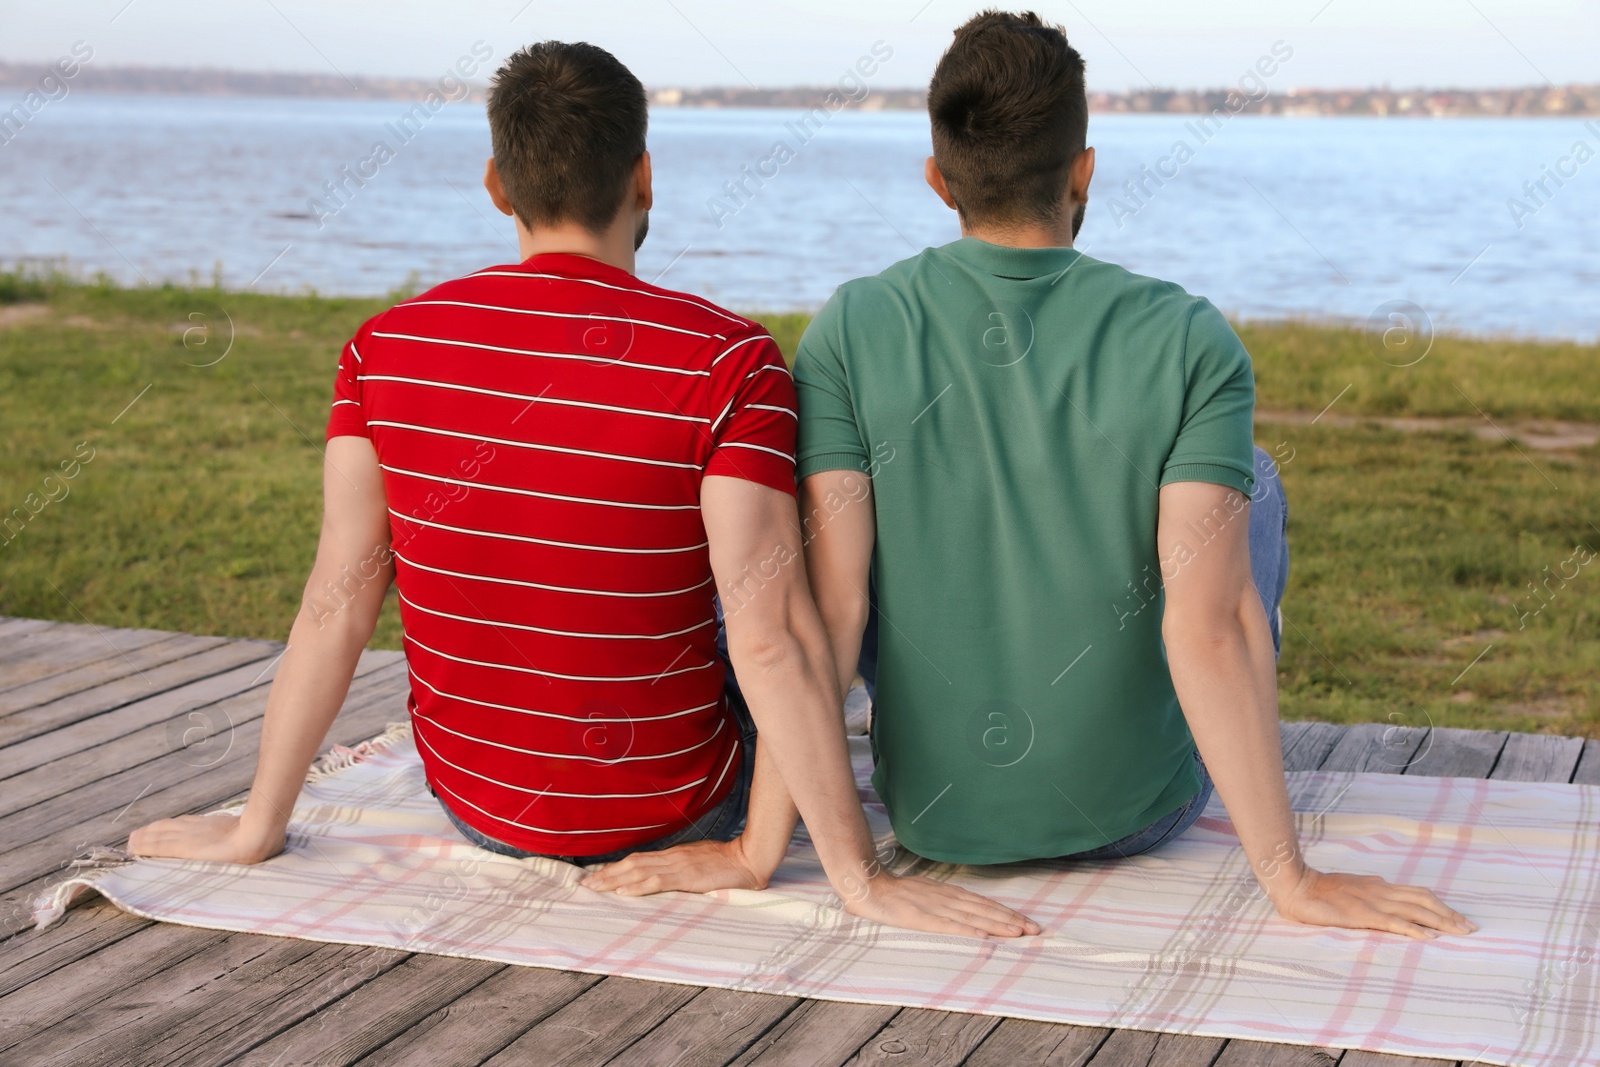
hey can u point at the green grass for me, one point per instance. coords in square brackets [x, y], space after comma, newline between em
[1304, 367]
[1411, 552]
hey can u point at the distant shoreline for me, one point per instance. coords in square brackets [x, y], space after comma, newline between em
[1569, 101]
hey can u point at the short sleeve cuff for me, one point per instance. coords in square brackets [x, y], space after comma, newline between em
[1214, 473]
[833, 461]
[346, 420]
[752, 466]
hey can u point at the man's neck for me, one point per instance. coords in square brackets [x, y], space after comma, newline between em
[614, 246]
[1029, 235]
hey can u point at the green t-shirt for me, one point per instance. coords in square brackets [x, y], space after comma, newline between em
[1018, 410]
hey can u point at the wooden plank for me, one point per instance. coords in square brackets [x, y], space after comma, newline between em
[1452, 753]
[1538, 758]
[480, 1023]
[45, 690]
[922, 1036]
[1374, 748]
[35, 953]
[197, 719]
[376, 1012]
[1141, 1048]
[1310, 746]
[64, 646]
[201, 729]
[160, 682]
[176, 763]
[596, 1026]
[1023, 1041]
[1359, 1058]
[712, 1028]
[818, 1033]
[1588, 771]
[1289, 733]
[15, 626]
[1261, 1054]
[122, 967]
[28, 870]
[209, 1007]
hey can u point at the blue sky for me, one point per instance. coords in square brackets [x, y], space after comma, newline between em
[1402, 43]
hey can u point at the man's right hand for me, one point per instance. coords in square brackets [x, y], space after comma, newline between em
[917, 903]
[218, 838]
[1367, 902]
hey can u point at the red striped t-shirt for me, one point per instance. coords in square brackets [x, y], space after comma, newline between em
[543, 429]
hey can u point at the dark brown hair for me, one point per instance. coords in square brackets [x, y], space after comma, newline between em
[1009, 115]
[567, 122]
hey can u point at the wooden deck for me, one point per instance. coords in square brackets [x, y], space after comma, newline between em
[103, 730]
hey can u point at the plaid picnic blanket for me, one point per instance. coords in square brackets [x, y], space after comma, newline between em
[1180, 940]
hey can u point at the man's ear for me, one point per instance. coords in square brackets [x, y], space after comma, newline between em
[935, 179]
[642, 182]
[1079, 175]
[491, 185]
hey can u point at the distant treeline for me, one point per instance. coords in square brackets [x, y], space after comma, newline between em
[1528, 101]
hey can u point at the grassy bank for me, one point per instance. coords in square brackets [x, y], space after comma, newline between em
[197, 507]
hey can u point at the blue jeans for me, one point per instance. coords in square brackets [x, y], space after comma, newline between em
[1269, 570]
[722, 823]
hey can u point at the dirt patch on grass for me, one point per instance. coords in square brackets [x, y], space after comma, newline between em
[1553, 707]
[1547, 435]
[17, 314]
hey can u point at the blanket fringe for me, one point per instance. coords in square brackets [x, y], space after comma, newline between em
[339, 757]
[52, 904]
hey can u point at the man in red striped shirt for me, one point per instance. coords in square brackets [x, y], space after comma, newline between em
[559, 465]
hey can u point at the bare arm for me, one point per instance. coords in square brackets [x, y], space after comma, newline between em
[841, 530]
[1219, 649]
[786, 671]
[338, 611]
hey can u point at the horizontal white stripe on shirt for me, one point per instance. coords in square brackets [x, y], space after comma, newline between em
[534, 492]
[564, 677]
[583, 357]
[336, 403]
[569, 756]
[540, 398]
[540, 829]
[546, 541]
[550, 588]
[529, 444]
[758, 448]
[436, 691]
[547, 792]
[772, 407]
[691, 301]
[561, 633]
[353, 352]
[585, 315]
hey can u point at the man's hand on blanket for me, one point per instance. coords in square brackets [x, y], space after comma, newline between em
[917, 903]
[697, 867]
[914, 903]
[220, 838]
[1367, 902]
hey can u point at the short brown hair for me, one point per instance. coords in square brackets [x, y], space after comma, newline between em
[1009, 115]
[567, 122]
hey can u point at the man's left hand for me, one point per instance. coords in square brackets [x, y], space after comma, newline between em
[698, 867]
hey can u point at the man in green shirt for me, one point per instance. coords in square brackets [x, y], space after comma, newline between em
[1041, 466]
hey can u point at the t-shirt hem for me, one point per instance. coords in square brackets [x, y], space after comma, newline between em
[832, 461]
[1178, 793]
[1214, 473]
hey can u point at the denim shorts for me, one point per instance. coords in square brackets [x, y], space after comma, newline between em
[1162, 830]
[722, 823]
